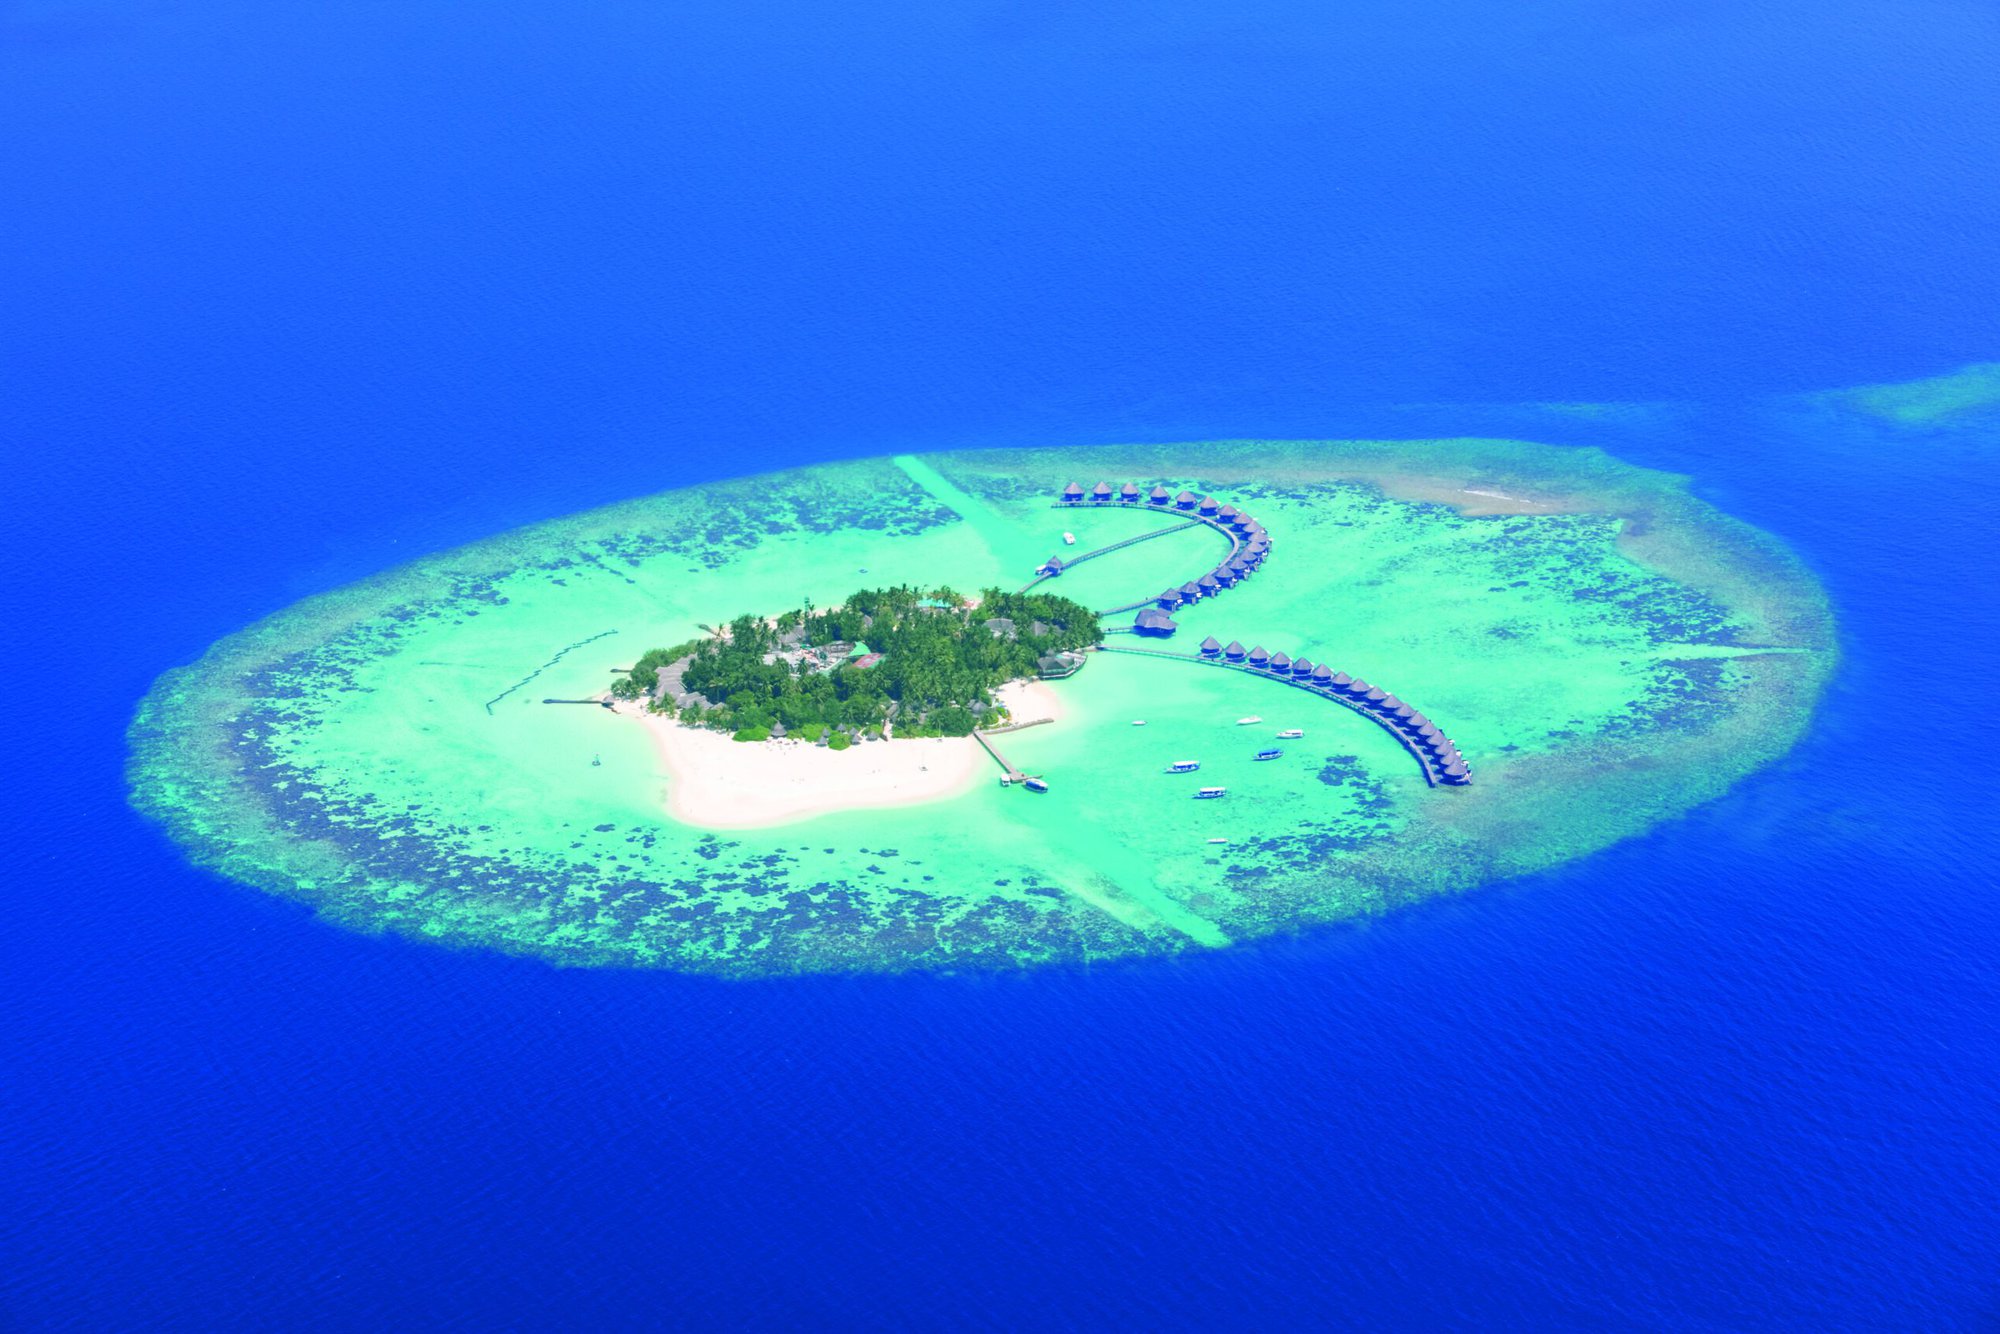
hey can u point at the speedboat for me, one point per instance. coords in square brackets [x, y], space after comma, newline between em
[1069, 539]
[1138, 722]
[1218, 840]
[1271, 754]
[1183, 766]
[1291, 734]
[1209, 793]
[1035, 785]
[1246, 722]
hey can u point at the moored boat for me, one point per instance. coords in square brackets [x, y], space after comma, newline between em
[1138, 722]
[1183, 766]
[1246, 722]
[1291, 734]
[1271, 754]
[1210, 793]
[1035, 785]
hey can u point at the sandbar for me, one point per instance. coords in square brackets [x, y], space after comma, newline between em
[715, 782]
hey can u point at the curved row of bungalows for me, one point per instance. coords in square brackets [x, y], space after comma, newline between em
[1440, 757]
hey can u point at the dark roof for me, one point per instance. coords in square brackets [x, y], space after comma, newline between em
[1211, 644]
[1152, 618]
[1053, 563]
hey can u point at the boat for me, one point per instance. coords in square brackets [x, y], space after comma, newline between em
[1183, 766]
[1218, 840]
[1209, 793]
[1138, 722]
[1069, 539]
[1291, 734]
[1035, 785]
[1245, 722]
[1271, 754]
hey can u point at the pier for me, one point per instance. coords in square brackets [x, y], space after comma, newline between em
[1434, 752]
[1055, 565]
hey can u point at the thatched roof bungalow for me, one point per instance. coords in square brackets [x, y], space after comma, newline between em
[1211, 647]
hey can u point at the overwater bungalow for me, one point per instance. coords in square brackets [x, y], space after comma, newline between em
[1225, 576]
[1186, 500]
[1128, 494]
[1191, 591]
[1155, 623]
[1211, 647]
[1208, 507]
[1100, 493]
[1051, 567]
[1374, 696]
[1281, 663]
[1259, 658]
[1169, 599]
[1322, 676]
[1342, 682]
[1227, 514]
[1235, 651]
[1072, 494]
[1302, 667]
[1209, 585]
[1157, 496]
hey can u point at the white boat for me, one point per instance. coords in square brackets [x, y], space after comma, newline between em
[1209, 793]
[1246, 722]
[1218, 840]
[1138, 722]
[1069, 539]
[1183, 766]
[1291, 734]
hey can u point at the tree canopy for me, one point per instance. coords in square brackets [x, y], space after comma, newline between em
[939, 662]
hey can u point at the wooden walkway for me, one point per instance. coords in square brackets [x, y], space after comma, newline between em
[1432, 766]
[1094, 553]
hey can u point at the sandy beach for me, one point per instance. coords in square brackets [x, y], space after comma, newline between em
[718, 783]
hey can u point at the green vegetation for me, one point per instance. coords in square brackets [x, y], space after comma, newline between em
[916, 663]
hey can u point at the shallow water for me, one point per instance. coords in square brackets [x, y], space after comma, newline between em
[390, 752]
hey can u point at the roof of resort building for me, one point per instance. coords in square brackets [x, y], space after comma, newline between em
[1073, 490]
[1207, 581]
[1259, 655]
[1101, 489]
[1226, 513]
[1157, 493]
[866, 661]
[1208, 504]
[1235, 649]
[1322, 673]
[1185, 498]
[1281, 661]
[1152, 618]
[1129, 489]
[1211, 645]
[1190, 589]
[1303, 666]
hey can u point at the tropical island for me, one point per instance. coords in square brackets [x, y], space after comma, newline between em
[408, 754]
[893, 661]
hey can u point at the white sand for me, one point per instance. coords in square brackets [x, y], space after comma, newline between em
[717, 783]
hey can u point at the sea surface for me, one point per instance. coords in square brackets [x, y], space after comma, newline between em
[290, 294]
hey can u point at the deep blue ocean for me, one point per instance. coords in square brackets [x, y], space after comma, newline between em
[290, 293]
